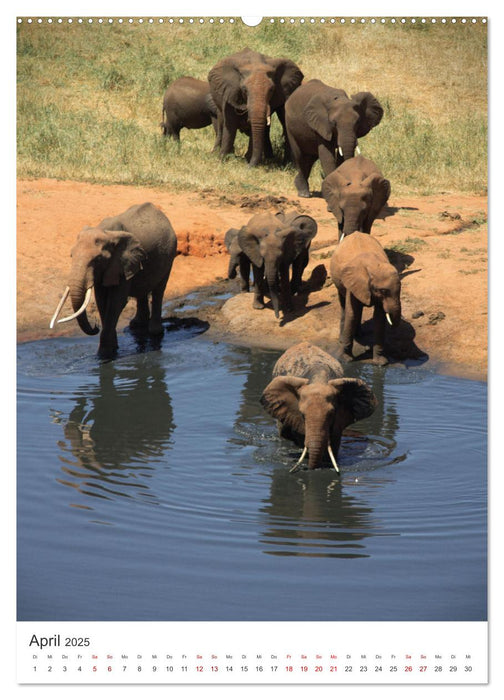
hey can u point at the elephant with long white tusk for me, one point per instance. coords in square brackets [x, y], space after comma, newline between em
[129, 255]
[314, 402]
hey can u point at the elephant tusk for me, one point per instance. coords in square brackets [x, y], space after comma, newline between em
[357, 150]
[333, 459]
[342, 237]
[389, 319]
[340, 151]
[296, 466]
[59, 307]
[79, 311]
[268, 120]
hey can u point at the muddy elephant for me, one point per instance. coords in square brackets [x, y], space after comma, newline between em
[314, 402]
[187, 103]
[249, 86]
[324, 123]
[355, 193]
[275, 245]
[364, 276]
[128, 255]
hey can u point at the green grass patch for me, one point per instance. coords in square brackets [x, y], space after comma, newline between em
[409, 245]
[90, 99]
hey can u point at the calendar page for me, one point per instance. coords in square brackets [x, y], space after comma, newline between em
[251, 348]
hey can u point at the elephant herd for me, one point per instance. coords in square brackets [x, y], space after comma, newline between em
[131, 255]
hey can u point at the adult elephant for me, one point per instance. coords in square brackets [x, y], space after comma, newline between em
[324, 123]
[355, 193]
[187, 103]
[128, 255]
[275, 244]
[251, 86]
[313, 402]
[364, 276]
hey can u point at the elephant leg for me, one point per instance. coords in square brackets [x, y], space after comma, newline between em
[353, 311]
[116, 298]
[379, 336]
[342, 299]
[229, 128]
[304, 163]
[155, 322]
[141, 318]
[259, 290]
[218, 132]
[298, 267]
[327, 159]
[287, 156]
[244, 273]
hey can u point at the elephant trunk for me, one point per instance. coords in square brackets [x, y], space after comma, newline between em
[393, 312]
[259, 113]
[258, 128]
[81, 280]
[351, 222]
[347, 143]
[316, 440]
[274, 290]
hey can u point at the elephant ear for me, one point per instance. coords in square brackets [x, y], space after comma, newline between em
[305, 227]
[331, 186]
[317, 117]
[382, 189]
[288, 77]
[370, 111]
[356, 397]
[225, 85]
[230, 236]
[355, 277]
[126, 257]
[249, 243]
[281, 400]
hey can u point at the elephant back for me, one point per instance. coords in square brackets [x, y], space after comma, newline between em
[303, 359]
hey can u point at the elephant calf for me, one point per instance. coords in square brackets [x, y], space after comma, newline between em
[313, 402]
[188, 103]
[364, 276]
[355, 193]
[273, 244]
[129, 255]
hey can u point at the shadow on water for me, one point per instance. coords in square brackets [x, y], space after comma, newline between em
[111, 443]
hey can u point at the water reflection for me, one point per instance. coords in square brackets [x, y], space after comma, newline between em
[117, 429]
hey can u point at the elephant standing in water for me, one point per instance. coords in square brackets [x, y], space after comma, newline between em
[129, 255]
[249, 86]
[355, 193]
[313, 402]
[364, 276]
[324, 123]
[187, 103]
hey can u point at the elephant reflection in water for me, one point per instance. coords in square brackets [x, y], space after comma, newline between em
[117, 430]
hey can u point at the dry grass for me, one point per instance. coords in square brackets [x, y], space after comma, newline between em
[89, 101]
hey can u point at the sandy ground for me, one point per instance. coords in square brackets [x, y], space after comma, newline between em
[444, 286]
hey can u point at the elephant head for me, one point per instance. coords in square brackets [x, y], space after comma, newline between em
[317, 413]
[374, 282]
[342, 119]
[250, 83]
[103, 258]
[355, 203]
[274, 243]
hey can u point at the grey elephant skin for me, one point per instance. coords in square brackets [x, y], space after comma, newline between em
[324, 123]
[314, 402]
[363, 276]
[277, 246]
[129, 255]
[247, 88]
[355, 193]
[187, 103]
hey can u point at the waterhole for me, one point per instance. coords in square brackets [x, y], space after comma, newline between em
[155, 487]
